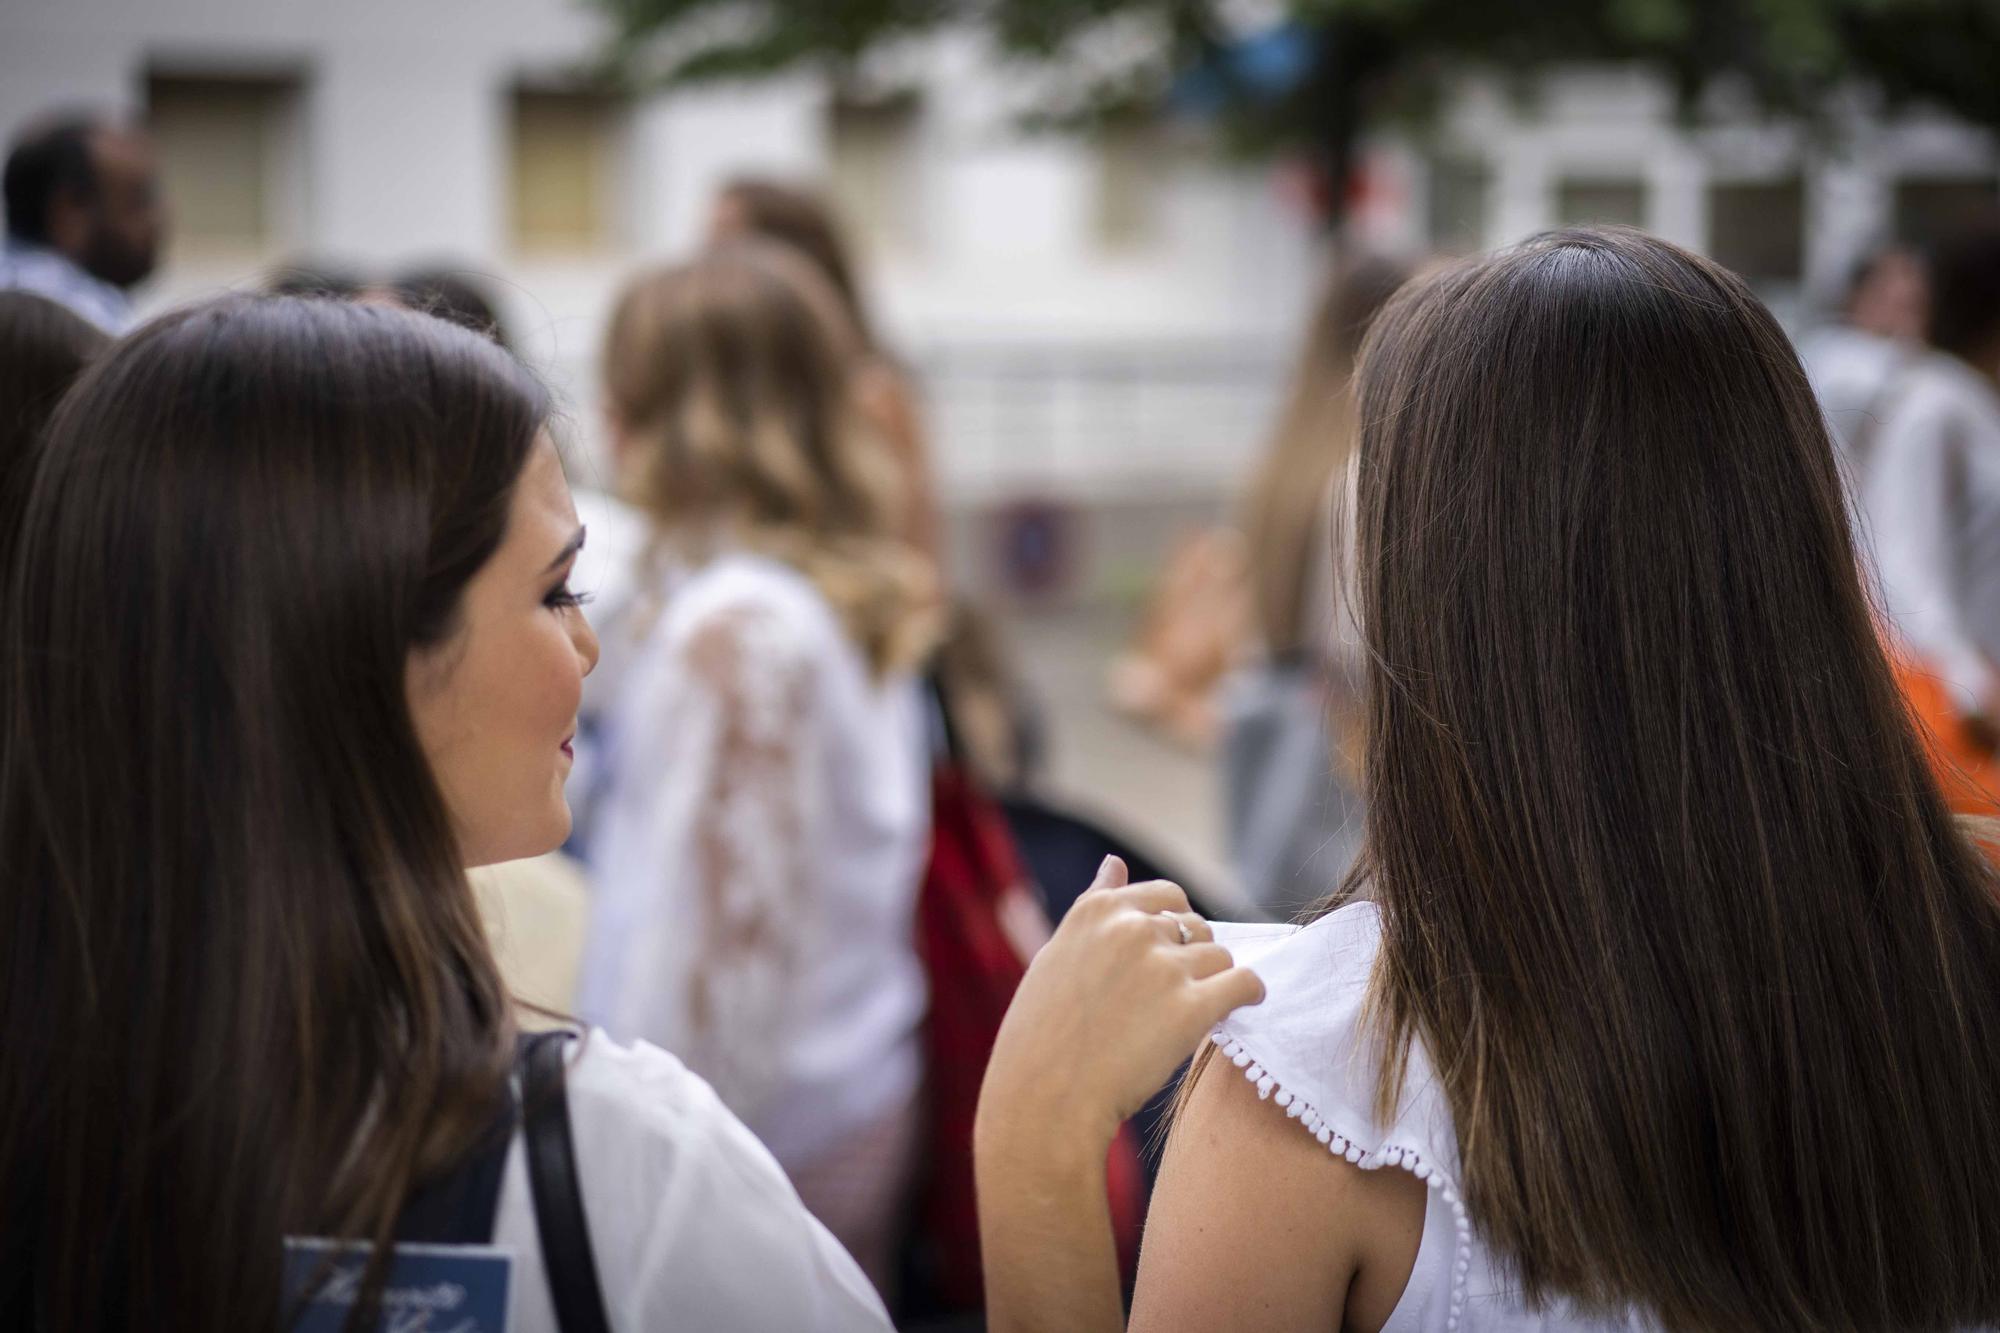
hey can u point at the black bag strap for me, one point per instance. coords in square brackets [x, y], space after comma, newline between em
[559, 1216]
[459, 1207]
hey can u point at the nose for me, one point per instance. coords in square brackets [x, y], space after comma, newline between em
[584, 639]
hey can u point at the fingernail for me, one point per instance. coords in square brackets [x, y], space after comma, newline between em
[1103, 866]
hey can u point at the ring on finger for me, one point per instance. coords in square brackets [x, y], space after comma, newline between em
[1180, 924]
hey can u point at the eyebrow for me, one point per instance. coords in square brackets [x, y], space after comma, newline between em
[570, 548]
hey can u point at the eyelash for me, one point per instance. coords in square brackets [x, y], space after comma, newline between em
[560, 598]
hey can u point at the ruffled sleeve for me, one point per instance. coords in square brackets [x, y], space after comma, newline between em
[1309, 1050]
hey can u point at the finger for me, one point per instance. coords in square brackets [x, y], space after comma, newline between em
[1205, 960]
[1226, 992]
[1154, 895]
[1111, 874]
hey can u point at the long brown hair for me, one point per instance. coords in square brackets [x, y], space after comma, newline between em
[1281, 514]
[1709, 977]
[44, 347]
[803, 220]
[732, 380]
[246, 992]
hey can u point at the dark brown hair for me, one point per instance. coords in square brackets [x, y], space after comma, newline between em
[460, 295]
[246, 993]
[1282, 513]
[43, 348]
[1965, 292]
[1709, 977]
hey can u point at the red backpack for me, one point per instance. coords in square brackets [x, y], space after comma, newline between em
[979, 921]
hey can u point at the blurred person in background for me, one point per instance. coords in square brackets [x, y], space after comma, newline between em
[247, 998]
[44, 347]
[455, 294]
[1931, 492]
[84, 217]
[801, 219]
[1853, 361]
[330, 281]
[1228, 593]
[1189, 633]
[1291, 714]
[998, 720]
[759, 821]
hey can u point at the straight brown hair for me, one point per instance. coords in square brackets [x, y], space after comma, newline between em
[1284, 510]
[246, 993]
[1709, 977]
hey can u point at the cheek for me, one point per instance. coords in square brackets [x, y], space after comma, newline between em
[555, 680]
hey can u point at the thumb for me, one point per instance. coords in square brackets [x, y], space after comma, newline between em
[1111, 874]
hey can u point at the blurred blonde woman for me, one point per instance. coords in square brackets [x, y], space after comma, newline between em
[803, 221]
[761, 816]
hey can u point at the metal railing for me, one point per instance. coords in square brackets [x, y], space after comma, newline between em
[1089, 420]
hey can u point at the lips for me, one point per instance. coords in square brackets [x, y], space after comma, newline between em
[569, 746]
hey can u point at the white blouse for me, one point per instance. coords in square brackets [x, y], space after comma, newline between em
[755, 813]
[1308, 1051]
[1931, 486]
[692, 1224]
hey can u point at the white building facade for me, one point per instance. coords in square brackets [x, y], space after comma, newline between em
[1099, 322]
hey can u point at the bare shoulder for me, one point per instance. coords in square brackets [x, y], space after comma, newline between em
[1254, 1224]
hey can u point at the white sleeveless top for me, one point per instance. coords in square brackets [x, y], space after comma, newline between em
[1307, 1050]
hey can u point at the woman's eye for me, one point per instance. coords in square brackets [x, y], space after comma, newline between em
[560, 598]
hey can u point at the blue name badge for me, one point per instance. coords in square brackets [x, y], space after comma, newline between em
[430, 1288]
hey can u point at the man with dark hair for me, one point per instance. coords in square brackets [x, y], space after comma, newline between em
[84, 219]
[1932, 483]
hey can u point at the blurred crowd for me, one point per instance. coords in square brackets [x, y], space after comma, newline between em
[803, 816]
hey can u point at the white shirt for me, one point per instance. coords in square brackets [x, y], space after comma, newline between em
[27, 267]
[1308, 1048]
[1931, 492]
[1851, 372]
[1311, 1048]
[692, 1224]
[756, 819]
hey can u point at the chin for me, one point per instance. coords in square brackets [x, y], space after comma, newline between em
[546, 832]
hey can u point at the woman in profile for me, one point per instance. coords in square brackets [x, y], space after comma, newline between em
[288, 643]
[760, 823]
[1665, 993]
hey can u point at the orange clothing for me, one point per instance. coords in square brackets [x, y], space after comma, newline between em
[1968, 772]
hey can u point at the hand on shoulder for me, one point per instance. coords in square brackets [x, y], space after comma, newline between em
[1127, 987]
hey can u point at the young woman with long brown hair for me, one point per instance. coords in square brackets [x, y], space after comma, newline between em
[288, 642]
[1665, 994]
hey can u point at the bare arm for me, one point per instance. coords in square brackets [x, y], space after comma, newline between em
[1254, 1224]
[1045, 1229]
[1110, 1006]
